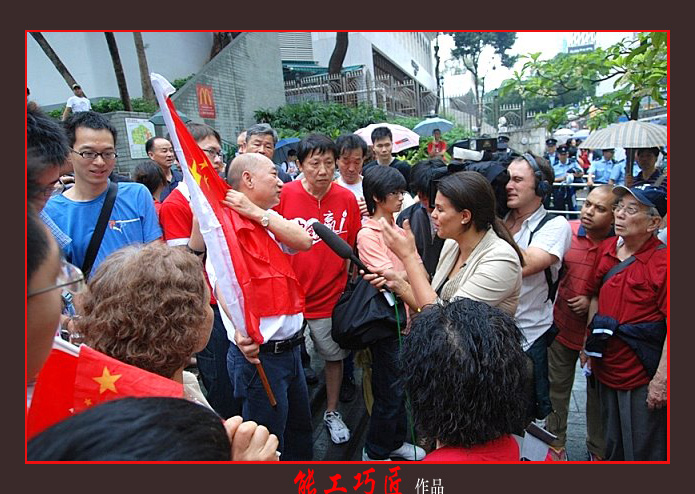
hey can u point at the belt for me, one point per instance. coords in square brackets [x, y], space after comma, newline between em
[280, 346]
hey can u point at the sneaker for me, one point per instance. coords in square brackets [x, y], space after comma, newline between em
[339, 432]
[365, 456]
[408, 452]
[310, 375]
[347, 389]
[558, 454]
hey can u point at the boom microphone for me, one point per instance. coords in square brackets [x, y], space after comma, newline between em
[337, 244]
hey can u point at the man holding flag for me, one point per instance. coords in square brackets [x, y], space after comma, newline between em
[253, 281]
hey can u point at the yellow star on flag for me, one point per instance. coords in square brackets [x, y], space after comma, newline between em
[88, 402]
[195, 172]
[107, 381]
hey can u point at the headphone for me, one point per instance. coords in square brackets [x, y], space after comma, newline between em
[543, 187]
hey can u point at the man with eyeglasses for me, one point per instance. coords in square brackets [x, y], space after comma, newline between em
[92, 139]
[628, 338]
[177, 222]
[161, 151]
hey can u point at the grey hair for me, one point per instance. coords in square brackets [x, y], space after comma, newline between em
[263, 129]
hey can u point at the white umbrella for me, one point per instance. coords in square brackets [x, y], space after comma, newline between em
[403, 137]
[630, 134]
[563, 134]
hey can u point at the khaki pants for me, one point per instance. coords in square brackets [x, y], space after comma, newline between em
[562, 362]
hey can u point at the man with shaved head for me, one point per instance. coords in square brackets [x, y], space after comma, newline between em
[255, 190]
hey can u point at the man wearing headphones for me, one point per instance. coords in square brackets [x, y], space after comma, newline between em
[544, 240]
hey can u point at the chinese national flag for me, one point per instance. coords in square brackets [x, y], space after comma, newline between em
[70, 383]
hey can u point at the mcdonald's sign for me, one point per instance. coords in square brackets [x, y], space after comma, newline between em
[206, 103]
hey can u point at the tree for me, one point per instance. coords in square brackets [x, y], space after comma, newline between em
[469, 47]
[335, 64]
[638, 68]
[53, 57]
[145, 82]
[220, 39]
[118, 69]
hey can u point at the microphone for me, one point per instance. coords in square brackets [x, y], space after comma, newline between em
[337, 244]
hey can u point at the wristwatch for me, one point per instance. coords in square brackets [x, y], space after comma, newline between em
[265, 220]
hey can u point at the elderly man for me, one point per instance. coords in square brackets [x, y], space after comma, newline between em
[570, 316]
[256, 189]
[161, 151]
[262, 138]
[544, 241]
[628, 340]
[322, 273]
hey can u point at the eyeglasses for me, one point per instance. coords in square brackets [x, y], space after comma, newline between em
[69, 275]
[630, 210]
[213, 153]
[91, 155]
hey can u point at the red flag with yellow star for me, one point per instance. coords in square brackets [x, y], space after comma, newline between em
[74, 379]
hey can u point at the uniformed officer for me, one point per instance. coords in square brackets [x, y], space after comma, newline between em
[600, 171]
[550, 150]
[503, 145]
[567, 171]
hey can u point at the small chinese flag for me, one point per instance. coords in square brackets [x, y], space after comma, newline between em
[70, 383]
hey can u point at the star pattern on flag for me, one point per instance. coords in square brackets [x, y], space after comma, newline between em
[87, 402]
[196, 172]
[107, 381]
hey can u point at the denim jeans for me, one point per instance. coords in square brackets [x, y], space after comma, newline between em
[212, 364]
[388, 423]
[538, 353]
[290, 420]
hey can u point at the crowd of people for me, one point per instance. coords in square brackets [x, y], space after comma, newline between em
[498, 307]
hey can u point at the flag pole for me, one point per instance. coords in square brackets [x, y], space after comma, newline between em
[266, 385]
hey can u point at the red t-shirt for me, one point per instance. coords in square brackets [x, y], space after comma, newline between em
[636, 294]
[176, 219]
[578, 264]
[504, 448]
[436, 147]
[321, 271]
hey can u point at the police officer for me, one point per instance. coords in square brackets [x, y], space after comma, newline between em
[600, 171]
[550, 150]
[567, 171]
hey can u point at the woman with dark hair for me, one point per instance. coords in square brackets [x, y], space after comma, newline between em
[148, 306]
[479, 259]
[383, 194]
[151, 176]
[465, 371]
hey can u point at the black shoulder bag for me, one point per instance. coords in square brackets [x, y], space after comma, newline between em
[98, 234]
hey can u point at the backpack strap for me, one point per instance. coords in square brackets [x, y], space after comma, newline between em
[552, 287]
[621, 266]
[98, 234]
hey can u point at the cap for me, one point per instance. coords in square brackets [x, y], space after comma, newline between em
[502, 138]
[551, 141]
[608, 149]
[562, 149]
[74, 86]
[647, 194]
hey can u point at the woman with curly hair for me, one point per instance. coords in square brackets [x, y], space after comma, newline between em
[148, 306]
[479, 259]
[465, 371]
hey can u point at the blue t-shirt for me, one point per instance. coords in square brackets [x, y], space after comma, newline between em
[618, 173]
[601, 170]
[133, 220]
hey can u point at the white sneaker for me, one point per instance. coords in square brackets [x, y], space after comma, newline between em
[408, 452]
[365, 456]
[339, 431]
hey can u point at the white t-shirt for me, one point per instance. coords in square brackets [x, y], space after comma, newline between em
[534, 314]
[354, 188]
[77, 103]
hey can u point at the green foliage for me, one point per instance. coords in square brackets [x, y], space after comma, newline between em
[470, 45]
[333, 119]
[111, 105]
[638, 68]
[414, 155]
[179, 83]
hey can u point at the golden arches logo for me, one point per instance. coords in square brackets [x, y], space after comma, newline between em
[205, 96]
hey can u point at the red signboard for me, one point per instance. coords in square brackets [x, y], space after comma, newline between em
[206, 103]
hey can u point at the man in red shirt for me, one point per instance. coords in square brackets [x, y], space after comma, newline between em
[321, 272]
[437, 147]
[628, 340]
[570, 318]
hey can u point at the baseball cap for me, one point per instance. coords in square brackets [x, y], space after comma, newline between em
[647, 194]
[74, 86]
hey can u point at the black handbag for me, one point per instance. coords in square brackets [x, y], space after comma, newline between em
[363, 316]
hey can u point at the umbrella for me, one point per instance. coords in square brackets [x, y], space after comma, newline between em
[563, 134]
[403, 138]
[427, 126]
[582, 134]
[630, 134]
[283, 146]
[157, 118]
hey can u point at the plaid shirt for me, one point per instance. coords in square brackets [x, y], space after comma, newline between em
[60, 236]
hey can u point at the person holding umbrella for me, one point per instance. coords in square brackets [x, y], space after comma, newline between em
[437, 147]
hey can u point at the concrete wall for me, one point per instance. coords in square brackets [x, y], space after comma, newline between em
[399, 47]
[174, 55]
[246, 76]
[124, 164]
